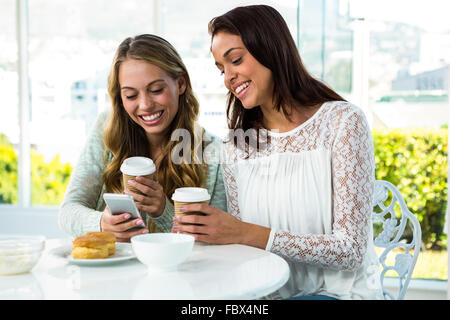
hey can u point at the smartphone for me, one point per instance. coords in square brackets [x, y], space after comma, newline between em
[119, 203]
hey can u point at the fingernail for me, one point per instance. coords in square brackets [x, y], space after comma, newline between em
[131, 182]
[145, 231]
[126, 191]
[127, 216]
[181, 209]
[139, 222]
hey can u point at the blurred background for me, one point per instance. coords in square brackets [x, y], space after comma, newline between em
[389, 57]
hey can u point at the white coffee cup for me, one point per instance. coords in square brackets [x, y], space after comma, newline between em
[136, 166]
[189, 195]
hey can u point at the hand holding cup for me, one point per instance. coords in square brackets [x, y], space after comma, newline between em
[139, 182]
[148, 194]
[189, 195]
[134, 167]
[208, 224]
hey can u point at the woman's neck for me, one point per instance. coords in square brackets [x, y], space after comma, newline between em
[274, 120]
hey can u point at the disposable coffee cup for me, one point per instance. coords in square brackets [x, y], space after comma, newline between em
[136, 166]
[189, 195]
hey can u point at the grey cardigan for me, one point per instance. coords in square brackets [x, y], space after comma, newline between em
[83, 203]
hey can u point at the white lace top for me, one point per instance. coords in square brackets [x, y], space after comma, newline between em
[313, 187]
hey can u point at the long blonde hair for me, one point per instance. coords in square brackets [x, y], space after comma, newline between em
[124, 138]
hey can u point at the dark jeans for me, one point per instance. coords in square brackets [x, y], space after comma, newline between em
[319, 297]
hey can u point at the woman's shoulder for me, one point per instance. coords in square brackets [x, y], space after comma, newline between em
[339, 113]
[98, 125]
[95, 142]
[101, 120]
[343, 108]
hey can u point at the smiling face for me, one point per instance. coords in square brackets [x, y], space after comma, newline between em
[244, 76]
[149, 96]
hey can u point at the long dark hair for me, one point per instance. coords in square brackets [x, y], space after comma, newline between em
[268, 39]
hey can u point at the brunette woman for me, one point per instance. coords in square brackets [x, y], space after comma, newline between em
[298, 165]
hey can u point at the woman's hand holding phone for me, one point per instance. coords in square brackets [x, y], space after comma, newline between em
[120, 225]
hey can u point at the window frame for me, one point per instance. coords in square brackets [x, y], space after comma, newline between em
[24, 104]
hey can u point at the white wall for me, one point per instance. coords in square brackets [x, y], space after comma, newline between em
[40, 220]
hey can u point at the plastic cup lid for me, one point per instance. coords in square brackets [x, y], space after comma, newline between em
[138, 166]
[191, 194]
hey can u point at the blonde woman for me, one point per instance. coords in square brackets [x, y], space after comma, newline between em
[152, 98]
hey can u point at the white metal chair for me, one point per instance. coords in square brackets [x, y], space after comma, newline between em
[393, 227]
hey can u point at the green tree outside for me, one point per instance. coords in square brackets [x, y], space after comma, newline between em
[49, 180]
[415, 160]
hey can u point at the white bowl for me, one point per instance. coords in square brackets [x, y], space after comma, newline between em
[19, 254]
[162, 251]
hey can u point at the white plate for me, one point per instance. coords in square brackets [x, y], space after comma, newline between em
[124, 252]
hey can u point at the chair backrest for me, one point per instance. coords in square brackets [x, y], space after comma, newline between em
[386, 196]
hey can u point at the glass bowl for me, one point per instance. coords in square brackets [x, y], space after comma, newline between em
[19, 254]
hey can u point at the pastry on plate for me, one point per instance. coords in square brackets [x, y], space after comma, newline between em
[89, 248]
[108, 236]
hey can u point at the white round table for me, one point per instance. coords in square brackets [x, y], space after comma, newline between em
[212, 272]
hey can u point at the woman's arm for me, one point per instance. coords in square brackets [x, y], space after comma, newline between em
[353, 179]
[77, 213]
[165, 221]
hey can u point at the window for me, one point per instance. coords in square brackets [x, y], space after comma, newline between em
[408, 61]
[9, 115]
[326, 42]
[394, 64]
